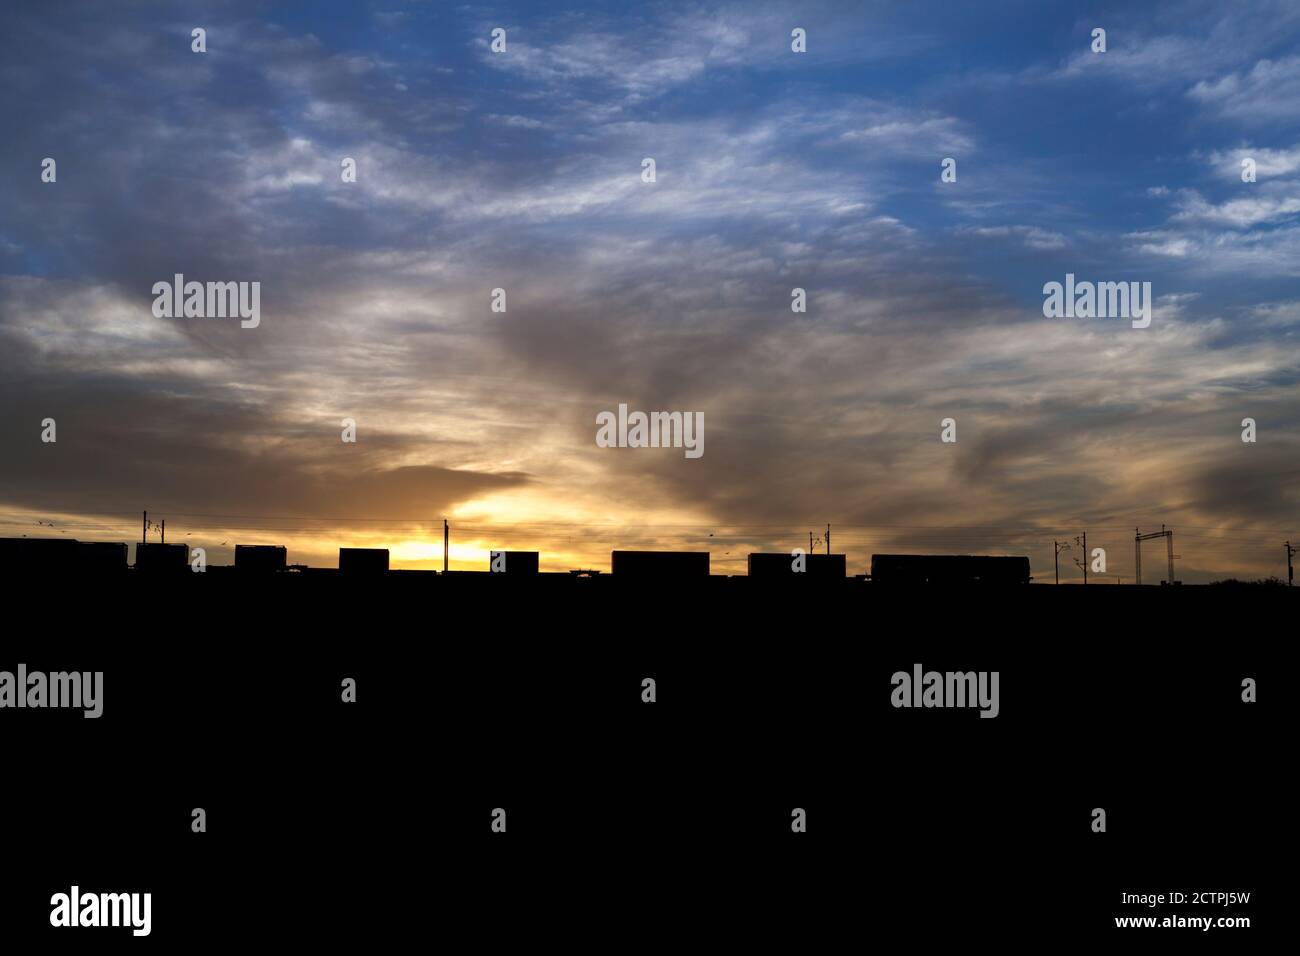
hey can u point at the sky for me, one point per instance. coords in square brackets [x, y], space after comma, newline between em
[521, 170]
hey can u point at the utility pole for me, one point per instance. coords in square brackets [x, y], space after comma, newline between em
[144, 527]
[446, 544]
[1058, 548]
[1139, 537]
[163, 539]
[1169, 547]
[1085, 557]
[828, 539]
[810, 546]
[1290, 571]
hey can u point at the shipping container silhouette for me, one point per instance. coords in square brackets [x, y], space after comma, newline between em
[30, 555]
[363, 560]
[778, 564]
[260, 558]
[659, 564]
[97, 556]
[154, 557]
[949, 569]
[515, 562]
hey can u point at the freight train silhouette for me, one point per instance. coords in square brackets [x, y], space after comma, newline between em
[58, 556]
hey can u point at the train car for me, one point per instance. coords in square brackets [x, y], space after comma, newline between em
[660, 564]
[950, 569]
[513, 562]
[780, 565]
[363, 560]
[260, 558]
[156, 557]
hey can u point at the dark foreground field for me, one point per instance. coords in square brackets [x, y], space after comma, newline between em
[629, 821]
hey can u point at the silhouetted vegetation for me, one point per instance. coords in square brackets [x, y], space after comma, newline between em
[1266, 582]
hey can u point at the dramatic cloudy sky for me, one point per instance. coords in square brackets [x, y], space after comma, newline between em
[522, 170]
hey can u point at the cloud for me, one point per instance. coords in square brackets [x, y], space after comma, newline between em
[1031, 236]
[1268, 162]
[1238, 213]
[1256, 254]
[520, 122]
[1147, 60]
[902, 131]
[1264, 93]
[666, 54]
[523, 172]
